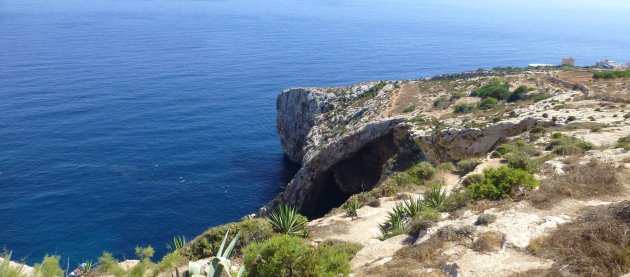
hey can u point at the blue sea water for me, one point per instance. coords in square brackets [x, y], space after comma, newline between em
[125, 123]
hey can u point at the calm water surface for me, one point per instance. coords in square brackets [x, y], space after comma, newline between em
[125, 123]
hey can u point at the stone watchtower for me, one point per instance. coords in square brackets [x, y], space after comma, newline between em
[568, 61]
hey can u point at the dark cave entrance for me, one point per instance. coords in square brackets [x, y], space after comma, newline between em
[360, 172]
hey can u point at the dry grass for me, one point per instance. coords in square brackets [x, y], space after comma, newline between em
[596, 244]
[489, 242]
[426, 255]
[593, 180]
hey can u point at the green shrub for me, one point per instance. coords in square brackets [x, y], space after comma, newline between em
[519, 93]
[485, 219]
[107, 263]
[494, 89]
[350, 248]
[416, 175]
[501, 182]
[286, 220]
[488, 103]
[409, 109]
[169, 263]
[540, 97]
[286, 255]
[206, 244]
[565, 145]
[518, 146]
[464, 108]
[612, 74]
[522, 161]
[446, 167]
[456, 200]
[468, 165]
[49, 267]
[571, 118]
[351, 206]
[537, 129]
[623, 143]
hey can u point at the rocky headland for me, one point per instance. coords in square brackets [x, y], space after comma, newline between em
[520, 172]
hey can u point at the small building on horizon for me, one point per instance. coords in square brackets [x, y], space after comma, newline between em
[568, 61]
[608, 64]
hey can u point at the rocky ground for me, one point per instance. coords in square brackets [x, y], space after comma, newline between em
[424, 118]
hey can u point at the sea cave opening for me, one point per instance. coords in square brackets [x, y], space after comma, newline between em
[360, 172]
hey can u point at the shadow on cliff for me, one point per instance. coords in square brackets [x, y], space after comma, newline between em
[360, 172]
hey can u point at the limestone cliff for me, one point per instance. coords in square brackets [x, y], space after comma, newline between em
[346, 138]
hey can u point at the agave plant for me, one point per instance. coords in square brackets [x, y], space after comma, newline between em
[286, 220]
[411, 207]
[435, 196]
[351, 207]
[178, 243]
[219, 263]
[87, 266]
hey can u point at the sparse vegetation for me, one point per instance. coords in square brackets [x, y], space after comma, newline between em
[286, 255]
[501, 182]
[596, 244]
[580, 182]
[409, 109]
[485, 219]
[565, 145]
[489, 242]
[623, 143]
[612, 74]
[206, 244]
[468, 165]
[416, 175]
[351, 206]
[464, 108]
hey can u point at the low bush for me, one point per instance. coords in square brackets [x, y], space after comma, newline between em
[522, 161]
[49, 267]
[494, 89]
[350, 248]
[456, 200]
[501, 182]
[468, 165]
[565, 145]
[518, 146]
[286, 255]
[571, 118]
[489, 242]
[416, 175]
[351, 206]
[485, 219]
[450, 232]
[540, 97]
[409, 109]
[612, 74]
[464, 108]
[519, 93]
[6, 270]
[488, 103]
[206, 244]
[623, 143]
[446, 167]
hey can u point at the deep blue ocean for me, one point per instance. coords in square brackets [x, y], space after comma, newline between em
[128, 122]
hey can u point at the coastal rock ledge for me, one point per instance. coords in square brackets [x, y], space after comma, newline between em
[347, 139]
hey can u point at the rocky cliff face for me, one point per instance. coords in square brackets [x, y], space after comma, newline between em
[344, 136]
